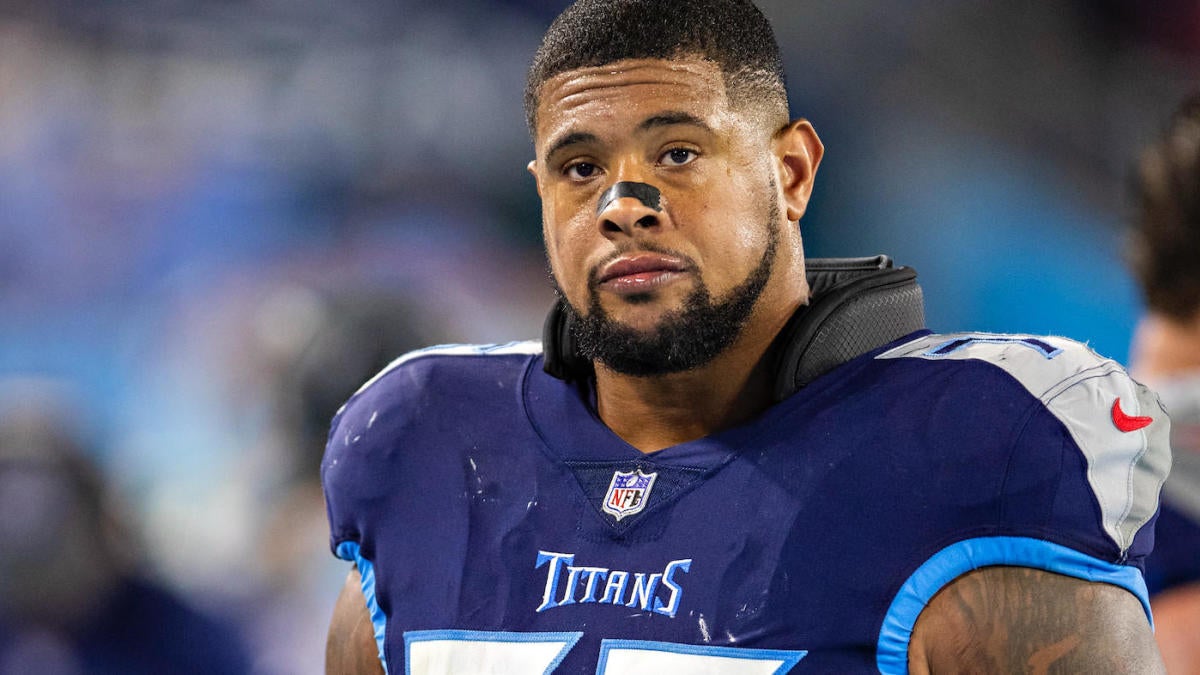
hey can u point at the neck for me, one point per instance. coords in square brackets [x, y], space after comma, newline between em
[655, 412]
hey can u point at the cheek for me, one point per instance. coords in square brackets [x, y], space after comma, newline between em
[737, 231]
[737, 220]
[566, 245]
[746, 244]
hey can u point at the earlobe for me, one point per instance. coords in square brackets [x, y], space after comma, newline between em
[531, 167]
[799, 151]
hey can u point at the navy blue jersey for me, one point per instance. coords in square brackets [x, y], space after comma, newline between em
[500, 526]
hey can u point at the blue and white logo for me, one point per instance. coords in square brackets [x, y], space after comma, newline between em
[569, 584]
[628, 493]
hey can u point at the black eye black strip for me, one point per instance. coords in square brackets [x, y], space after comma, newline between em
[646, 194]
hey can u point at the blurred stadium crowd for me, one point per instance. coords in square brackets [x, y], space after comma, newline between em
[217, 218]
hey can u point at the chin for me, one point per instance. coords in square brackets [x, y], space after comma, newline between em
[645, 317]
[642, 327]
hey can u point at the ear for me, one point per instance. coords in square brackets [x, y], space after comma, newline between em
[532, 168]
[798, 151]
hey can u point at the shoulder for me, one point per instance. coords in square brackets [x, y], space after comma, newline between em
[424, 377]
[425, 399]
[1076, 451]
[451, 365]
[433, 380]
[1087, 405]
[1007, 372]
[1043, 365]
[1092, 397]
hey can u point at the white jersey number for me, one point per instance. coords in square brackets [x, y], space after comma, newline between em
[436, 652]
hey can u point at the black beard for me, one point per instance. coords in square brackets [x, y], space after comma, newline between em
[683, 340]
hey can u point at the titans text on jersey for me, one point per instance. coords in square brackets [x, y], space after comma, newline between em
[615, 587]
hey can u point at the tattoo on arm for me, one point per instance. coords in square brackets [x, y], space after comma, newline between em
[1021, 620]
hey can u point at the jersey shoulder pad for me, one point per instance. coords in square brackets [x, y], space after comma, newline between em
[421, 379]
[444, 354]
[1039, 363]
[370, 435]
[1116, 422]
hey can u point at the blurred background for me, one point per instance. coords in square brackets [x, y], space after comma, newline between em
[217, 218]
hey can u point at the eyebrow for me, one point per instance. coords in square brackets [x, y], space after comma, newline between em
[672, 118]
[664, 119]
[572, 138]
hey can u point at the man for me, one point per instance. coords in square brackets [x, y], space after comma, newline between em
[719, 462]
[1166, 353]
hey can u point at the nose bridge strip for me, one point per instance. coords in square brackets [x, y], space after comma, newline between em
[646, 194]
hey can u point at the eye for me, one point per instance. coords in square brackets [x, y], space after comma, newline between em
[678, 157]
[581, 170]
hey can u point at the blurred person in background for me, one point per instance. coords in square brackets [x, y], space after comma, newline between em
[73, 598]
[1166, 355]
[314, 344]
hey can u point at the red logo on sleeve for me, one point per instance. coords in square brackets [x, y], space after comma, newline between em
[1128, 423]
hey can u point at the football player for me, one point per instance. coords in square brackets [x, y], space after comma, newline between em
[723, 457]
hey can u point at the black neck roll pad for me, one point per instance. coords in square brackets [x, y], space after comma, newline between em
[646, 194]
[857, 305]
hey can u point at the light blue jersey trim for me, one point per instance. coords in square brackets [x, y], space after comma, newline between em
[964, 556]
[953, 345]
[349, 550]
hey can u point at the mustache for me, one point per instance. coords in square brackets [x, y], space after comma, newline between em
[639, 247]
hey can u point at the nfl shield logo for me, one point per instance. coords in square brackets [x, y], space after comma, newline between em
[628, 493]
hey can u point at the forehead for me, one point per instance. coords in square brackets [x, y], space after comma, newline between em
[630, 89]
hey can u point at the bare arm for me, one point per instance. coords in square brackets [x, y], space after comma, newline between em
[1177, 627]
[351, 647]
[1021, 620]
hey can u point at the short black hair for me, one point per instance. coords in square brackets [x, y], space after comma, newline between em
[1165, 251]
[732, 33]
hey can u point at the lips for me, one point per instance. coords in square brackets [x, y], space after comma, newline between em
[640, 273]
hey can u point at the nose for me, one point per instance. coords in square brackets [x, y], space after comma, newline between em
[628, 206]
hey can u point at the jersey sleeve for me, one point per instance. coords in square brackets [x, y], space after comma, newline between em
[391, 479]
[1113, 461]
[1078, 497]
[380, 447]
[1091, 451]
[365, 438]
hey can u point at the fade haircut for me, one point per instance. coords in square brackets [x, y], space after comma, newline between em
[731, 33]
[1165, 250]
